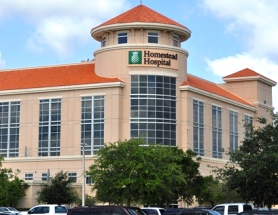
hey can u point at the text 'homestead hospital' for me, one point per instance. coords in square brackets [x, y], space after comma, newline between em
[136, 86]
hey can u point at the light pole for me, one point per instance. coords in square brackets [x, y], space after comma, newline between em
[83, 173]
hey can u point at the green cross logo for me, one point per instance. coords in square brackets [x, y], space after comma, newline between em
[135, 57]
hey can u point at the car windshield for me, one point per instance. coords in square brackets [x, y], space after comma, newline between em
[12, 209]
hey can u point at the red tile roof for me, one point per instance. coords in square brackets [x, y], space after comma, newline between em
[243, 73]
[141, 13]
[210, 87]
[247, 73]
[51, 76]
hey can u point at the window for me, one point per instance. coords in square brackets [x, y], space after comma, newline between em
[61, 209]
[216, 132]
[233, 209]
[153, 109]
[248, 125]
[72, 176]
[88, 180]
[220, 209]
[198, 127]
[92, 124]
[9, 129]
[49, 127]
[233, 130]
[28, 176]
[45, 176]
[39, 210]
[122, 38]
[152, 37]
[103, 42]
[176, 40]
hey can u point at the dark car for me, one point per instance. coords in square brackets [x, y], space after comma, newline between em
[262, 212]
[106, 210]
[188, 211]
[173, 211]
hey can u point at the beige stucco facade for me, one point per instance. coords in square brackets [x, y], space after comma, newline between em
[112, 60]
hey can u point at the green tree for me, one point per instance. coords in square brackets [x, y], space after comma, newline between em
[12, 188]
[131, 172]
[252, 170]
[58, 190]
[213, 191]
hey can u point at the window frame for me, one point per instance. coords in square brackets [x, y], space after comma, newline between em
[103, 41]
[198, 127]
[233, 129]
[176, 40]
[28, 176]
[72, 176]
[216, 131]
[153, 37]
[49, 137]
[122, 35]
[92, 123]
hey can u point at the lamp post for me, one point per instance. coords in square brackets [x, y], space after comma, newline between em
[83, 173]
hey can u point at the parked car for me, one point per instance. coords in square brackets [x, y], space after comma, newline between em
[232, 208]
[173, 211]
[47, 210]
[259, 212]
[8, 210]
[106, 210]
[196, 211]
[154, 210]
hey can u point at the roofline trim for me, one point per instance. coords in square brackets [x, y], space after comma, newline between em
[62, 88]
[259, 104]
[133, 25]
[215, 96]
[141, 46]
[251, 78]
[47, 66]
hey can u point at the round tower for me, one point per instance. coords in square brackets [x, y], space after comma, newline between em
[143, 49]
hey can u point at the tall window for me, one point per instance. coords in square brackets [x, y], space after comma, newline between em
[176, 40]
[248, 123]
[9, 128]
[153, 109]
[122, 38]
[233, 130]
[152, 37]
[49, 127]
[92, 124]
[216, 132]
[103, 42]
[198, 127]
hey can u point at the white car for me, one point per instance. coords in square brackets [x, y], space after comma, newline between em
[232, 208]
[153, 210]
[8, 210]
[46, 210]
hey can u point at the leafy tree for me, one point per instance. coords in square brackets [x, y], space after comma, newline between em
[252, 169]
[131, 172]
[12, 188]
[58, 190]
[213, 192]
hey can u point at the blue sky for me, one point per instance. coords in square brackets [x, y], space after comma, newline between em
[227, 35]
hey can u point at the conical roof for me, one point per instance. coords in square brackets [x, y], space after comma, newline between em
[141, 16]
[141, 13]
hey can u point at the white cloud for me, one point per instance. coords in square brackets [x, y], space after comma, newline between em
[228, 65]
[253, 23]
[61, 25]
[2, 62]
